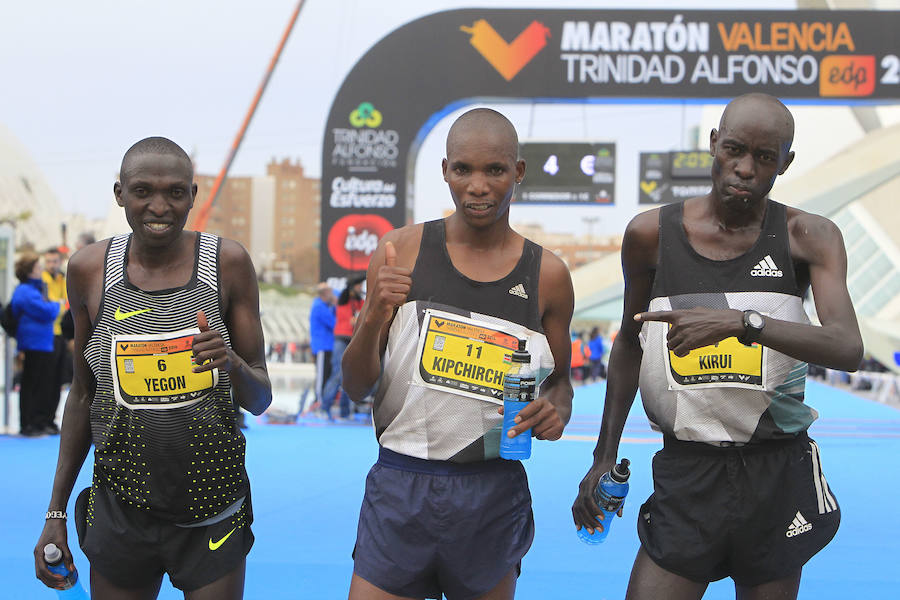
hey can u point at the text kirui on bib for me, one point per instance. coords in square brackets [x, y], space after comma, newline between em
[156, 371]
[463, 356]
[729, 363]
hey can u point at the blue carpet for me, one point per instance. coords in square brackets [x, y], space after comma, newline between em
[308, 483]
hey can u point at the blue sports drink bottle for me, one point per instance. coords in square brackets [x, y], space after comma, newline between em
[518, 391]
[609, 496]
[73, 589]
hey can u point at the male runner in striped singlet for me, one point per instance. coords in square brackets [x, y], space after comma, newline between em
[168, 345]
[722, 360]
[446, 302]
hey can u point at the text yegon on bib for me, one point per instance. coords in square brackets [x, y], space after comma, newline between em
[156, 370]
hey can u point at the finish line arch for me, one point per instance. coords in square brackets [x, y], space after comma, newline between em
[401, 88]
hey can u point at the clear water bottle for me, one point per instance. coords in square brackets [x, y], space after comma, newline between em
[73, 589]
[609, 496]
[518, 390]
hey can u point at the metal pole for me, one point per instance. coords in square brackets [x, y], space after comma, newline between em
[7, 244]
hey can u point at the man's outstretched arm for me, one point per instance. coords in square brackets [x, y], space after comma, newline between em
[75, 435]
[639, 248]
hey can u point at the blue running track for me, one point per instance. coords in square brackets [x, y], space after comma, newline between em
[308, 481]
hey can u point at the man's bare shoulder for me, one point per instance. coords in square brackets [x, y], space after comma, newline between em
[644, 224]
[802, 223]
[641, 240]
[811, 235]
[555, 284]
[87, 260]
[236, 266]
[553, 268]
[406, 240]
[85, 271]
[233, 253]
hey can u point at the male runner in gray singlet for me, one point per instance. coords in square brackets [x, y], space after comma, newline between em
[442, 514]
[722, 359]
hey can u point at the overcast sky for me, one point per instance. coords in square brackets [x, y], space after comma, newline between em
[84, 80]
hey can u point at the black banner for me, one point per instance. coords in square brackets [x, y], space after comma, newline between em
[431, 66]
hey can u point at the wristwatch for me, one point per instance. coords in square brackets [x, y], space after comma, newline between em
[753, 326]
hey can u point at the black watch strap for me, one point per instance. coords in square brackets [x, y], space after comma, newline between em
[753, 326]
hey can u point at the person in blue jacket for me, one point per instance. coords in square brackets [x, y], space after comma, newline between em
[595, 345]
[34, 316]
[321, 335]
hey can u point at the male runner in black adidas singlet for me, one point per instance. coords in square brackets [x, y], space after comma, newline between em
[179, 311]
[722, 359]
[442, 514]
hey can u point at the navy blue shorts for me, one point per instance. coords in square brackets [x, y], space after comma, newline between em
[133, 549]
[428, 527]
[755, 513]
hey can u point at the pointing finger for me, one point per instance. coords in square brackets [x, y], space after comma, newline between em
[666, 316]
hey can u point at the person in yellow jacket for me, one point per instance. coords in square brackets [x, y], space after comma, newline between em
[55, 280]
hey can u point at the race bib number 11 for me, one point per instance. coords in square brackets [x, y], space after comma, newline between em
[463, 356]
[155, 371]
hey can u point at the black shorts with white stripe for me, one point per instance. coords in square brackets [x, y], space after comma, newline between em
[755, 513]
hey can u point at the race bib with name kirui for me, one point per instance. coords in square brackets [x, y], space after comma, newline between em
[728, 363]
[463, 356]
[155, 371]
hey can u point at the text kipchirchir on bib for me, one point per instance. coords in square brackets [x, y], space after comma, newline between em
[463, 356]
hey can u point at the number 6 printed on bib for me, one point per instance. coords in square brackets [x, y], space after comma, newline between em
[156, 371]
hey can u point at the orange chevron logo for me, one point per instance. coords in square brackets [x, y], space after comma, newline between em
[507, 57]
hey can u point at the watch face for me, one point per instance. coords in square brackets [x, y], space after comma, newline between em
[755, 319]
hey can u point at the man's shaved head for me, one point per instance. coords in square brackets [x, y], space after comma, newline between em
[762, 105]
[154, 145]
[484, 120]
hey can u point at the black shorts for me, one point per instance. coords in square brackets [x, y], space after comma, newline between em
[428, 527]
[132, 549]
[755, 513]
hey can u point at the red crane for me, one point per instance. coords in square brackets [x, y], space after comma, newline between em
[206, 208]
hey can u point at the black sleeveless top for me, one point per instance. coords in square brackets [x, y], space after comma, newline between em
[166, 440]
[513, 297]
[437, 396]
[766, 267]
[725, 392]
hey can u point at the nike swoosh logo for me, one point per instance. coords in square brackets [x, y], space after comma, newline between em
[121, 316]
[215, 545]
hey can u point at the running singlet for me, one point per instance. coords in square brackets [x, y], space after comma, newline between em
[727, 392]
[447, 351]
[166, 439]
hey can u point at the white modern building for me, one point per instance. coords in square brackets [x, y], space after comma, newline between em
[26, 200]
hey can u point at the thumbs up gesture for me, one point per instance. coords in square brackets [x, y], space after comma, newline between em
[392, 285]
[210, 350]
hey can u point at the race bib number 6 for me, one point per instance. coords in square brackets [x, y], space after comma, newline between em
[463, 356]
[156, 371]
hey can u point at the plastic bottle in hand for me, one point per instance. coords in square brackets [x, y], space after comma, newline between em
[518, 390]
[609, 496]
[73, 589]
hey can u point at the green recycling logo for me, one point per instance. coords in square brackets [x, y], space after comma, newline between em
[366, 115]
